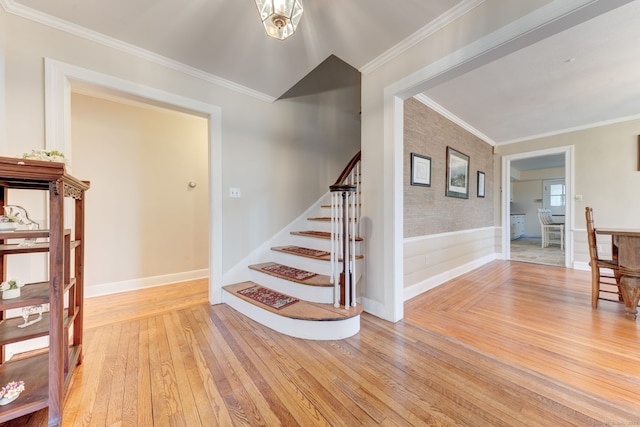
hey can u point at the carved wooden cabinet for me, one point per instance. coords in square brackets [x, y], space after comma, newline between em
[46, 373]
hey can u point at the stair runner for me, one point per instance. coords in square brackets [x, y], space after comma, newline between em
[313, 315]
[302, 310]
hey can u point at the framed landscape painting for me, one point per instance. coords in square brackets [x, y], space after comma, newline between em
[457, 174]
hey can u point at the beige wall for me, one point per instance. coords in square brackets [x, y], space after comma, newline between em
[527, 196]
[282, 155]
[142, 216]
[426, 209]
[606, 176]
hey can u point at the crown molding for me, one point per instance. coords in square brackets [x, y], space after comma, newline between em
[10, 6]
[450, 116]
[572, 129]
[437, 24]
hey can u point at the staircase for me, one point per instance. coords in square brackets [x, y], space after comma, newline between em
[305, 290]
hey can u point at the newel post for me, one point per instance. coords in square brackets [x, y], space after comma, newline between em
[343, 213]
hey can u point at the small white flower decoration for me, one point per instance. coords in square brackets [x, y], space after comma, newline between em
[11, 284]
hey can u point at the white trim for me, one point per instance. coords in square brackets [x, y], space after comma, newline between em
[143, 283]
[581, 265]
[394, 164]
[573, 129]
[432, 27]
[437, 280]
[448, 234]
[3, 108]
[59, 78]
[542, 23]
[569, 167]
[373, 307]
[306, 329]
[10, 6]
[455, 119]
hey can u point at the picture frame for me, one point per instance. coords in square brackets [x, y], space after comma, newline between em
[420, 170]
[481, 179]
[457, 174]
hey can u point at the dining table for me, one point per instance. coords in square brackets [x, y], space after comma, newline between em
[626, 249]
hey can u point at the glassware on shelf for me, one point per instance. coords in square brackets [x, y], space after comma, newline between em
[28, 311]
[21, 216]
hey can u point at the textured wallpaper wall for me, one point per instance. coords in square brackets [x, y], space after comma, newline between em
[427, 210]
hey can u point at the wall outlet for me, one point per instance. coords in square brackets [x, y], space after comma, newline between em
[599, 248]
[234, 193]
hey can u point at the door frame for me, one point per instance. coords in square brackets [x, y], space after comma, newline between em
[60, 76]
[569, 169]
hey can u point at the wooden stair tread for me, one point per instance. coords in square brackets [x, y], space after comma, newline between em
[286, 250]
[323, 219]
[302, 310]
[317, 280]
[318, 234]
[329, 206]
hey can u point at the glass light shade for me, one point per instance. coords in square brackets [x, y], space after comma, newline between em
[280, 17]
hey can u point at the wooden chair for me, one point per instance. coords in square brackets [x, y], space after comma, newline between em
[605, 274]
[549, 229]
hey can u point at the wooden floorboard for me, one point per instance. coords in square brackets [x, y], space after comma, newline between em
[509, 344]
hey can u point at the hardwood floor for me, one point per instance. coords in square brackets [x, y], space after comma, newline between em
[509, 344]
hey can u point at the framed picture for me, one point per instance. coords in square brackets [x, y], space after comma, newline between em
[420, 170]
[457, 174]
[480, 184]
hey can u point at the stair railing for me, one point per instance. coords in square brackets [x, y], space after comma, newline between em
[345, 230]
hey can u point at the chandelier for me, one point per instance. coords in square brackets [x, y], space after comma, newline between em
[280, 17]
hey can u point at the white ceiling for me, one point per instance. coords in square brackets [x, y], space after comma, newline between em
[584, 75]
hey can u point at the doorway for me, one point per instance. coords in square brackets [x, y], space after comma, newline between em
[60, 77]
[532, 181]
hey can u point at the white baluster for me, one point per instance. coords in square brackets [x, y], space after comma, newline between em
[353, 249]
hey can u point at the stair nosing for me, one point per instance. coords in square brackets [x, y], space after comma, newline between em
[321, 279]
[328, 308]
[318, 234]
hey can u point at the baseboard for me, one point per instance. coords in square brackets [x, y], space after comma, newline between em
[441, 278]
[581, 265]
[142, 283]
[375, 308]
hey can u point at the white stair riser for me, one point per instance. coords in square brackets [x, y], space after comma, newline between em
[319, 225]
[320, 294]
[316, 243]
[305, 329]
[302, 263]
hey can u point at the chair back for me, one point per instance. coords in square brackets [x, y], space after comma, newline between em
[544, 216]
[591, 234]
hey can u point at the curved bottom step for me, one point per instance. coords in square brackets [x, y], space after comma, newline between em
[303, 319]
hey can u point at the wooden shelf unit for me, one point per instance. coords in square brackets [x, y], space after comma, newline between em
[47, 374]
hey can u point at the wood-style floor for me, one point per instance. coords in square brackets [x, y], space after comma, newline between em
[509, 344]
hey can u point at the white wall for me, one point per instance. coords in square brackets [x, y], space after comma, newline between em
[276, 153]
[142, 160]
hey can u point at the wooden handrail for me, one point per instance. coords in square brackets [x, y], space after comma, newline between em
[345, 212]
[345, 173]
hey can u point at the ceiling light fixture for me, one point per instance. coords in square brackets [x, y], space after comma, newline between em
[280, 17]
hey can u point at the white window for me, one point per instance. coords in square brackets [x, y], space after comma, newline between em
[556, 195]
